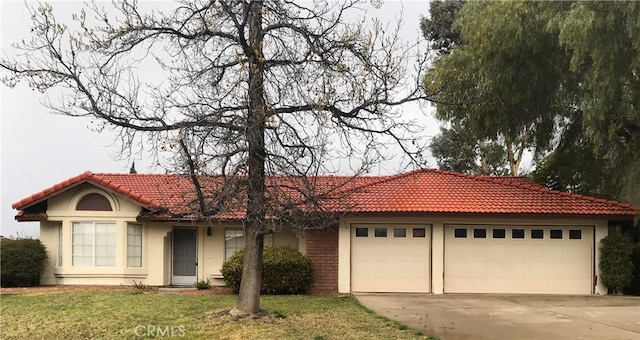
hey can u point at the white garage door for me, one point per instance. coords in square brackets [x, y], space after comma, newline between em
[390, 258]
[499, 259]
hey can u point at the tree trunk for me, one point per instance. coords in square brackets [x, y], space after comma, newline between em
[513, 166]
[523, 143]
[249, 295]
[255, 227]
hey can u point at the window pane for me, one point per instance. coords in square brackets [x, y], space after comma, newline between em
[460, 233]
[93, 244]
[362, 232]
[575, 234]
[134, 245]
[82, 261]
[479, 233]
[499, 233]
[380, 232]
[59, 263]
[555, 233]
[517, 233]
[419, 232]
[82, 244]
[94, 202]
[537, 233]
[105, 245]
[233, 241]
[101, 228]
[399, 232]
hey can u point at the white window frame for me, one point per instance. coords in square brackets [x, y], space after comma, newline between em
[90, 246]
[134, 245]
[232, 233]
[60, 240]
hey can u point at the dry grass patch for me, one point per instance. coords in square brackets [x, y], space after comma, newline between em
[116, 314]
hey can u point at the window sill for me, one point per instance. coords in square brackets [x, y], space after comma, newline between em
[121, 272]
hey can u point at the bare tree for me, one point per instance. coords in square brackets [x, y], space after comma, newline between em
[253, 89]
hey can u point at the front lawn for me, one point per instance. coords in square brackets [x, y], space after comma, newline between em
[91, 314]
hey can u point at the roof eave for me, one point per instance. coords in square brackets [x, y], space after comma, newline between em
[76, 184]
[164, 217]
[616, 217]
[48, 196]
[22, 217]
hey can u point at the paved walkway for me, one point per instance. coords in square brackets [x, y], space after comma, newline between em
[465, 316]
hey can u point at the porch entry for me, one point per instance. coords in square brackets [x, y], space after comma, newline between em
[184, 253]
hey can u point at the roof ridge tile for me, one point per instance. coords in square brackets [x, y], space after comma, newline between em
[385, 179]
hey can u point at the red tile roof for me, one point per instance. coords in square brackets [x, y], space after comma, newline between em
[438, 191]
[421, 191]
[102, 180]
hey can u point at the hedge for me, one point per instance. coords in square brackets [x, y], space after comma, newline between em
[23, 261]
[284, 271]
[616, 266]
[634, 287]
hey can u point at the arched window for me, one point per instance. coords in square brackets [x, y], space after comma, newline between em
[95, 202]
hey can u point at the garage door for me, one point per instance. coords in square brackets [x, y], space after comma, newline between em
[499, 259]
[390, 258]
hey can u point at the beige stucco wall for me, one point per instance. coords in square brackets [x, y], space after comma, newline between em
[156, 243]
[61, 211]
[49, 237]
[437, 240]
[211, 250]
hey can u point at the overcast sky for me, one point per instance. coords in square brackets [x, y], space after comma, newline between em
[40, 149]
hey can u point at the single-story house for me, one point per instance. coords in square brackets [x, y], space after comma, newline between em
[424, 231]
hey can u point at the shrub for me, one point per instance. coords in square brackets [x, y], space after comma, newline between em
[634, 287]
[232, 271]
[284, 271]
[203, 284]
[23, 261]
[140, 286]
[616, 267]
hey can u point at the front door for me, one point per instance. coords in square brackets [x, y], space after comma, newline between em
[185, 261]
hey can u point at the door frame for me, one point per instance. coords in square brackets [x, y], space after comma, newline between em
[184, 280]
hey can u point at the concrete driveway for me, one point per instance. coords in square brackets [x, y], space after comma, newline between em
[464, 316]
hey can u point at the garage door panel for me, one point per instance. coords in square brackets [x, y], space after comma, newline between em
[519, 265]
[391, 269]
[382, 284]
[390, 264]
[519, 250]
[534, 286]
[499, 252]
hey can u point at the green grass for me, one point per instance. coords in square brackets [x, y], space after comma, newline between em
[118, 314]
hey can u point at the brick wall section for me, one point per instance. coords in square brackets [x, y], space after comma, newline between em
[322, 249]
